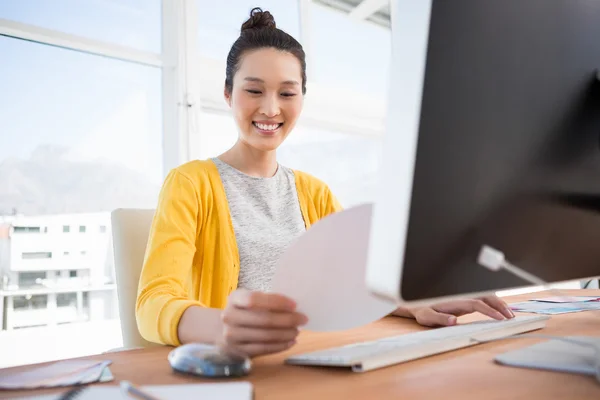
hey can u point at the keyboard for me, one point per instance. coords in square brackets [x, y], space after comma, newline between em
[369, 355]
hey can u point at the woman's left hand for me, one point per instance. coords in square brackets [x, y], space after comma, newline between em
[444, 314]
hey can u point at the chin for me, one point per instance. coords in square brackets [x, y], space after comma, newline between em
[262, 146]
[265, 143]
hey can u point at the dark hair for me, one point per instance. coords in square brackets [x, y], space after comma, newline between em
[260, 32]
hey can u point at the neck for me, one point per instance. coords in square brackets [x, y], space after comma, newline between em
[253, 162]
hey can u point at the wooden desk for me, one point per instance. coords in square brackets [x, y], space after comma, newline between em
[463, 374]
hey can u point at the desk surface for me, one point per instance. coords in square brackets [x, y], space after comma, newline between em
[463, 374]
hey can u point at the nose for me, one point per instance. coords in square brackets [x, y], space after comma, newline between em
[270, 106]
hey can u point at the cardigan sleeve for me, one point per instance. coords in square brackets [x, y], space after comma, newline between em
[162, 292]
[316, 198]
[329, 203]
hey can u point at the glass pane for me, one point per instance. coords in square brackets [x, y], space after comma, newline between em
[349, 54]
[66, 300]
[26, 229]
[217, 133]
[219, 22]
[81, 136]
[347, 163]
[29, 302]
[31, 279]
[36, 255]
[80, 133]
[133, 23]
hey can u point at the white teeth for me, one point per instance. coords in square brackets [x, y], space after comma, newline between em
[266, 127]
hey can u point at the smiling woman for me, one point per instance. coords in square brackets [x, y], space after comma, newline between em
[222, 223]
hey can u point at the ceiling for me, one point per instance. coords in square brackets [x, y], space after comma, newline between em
[380, 16]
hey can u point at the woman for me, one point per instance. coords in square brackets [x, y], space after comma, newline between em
[221, 224]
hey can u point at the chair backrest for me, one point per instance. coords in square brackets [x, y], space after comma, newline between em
[130, 230]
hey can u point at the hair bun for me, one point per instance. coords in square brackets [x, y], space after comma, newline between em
[259, 19]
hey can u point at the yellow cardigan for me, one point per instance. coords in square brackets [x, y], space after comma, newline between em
[192, 257]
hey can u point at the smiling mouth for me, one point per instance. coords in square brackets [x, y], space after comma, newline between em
[267, 127]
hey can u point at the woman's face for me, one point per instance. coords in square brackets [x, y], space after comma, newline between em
[266, 98]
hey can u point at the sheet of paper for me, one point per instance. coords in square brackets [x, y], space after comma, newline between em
[553, 308]
[324, 272]
[61, 373]
[221, 391]
[567, 299]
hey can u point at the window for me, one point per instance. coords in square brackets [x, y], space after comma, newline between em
[91, 103]
[133, 23]
[347, 163]
[66, 300]
[81, 136]
[220, 27]
[31, 279]
[348, 53]
[81, 229]
[40, 255]
[29, 302]
[86, 300]
[26, 229]
[218, 132]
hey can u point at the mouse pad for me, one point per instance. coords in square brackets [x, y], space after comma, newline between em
[556, 355]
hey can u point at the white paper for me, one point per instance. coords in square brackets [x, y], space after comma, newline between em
[61, 373]
[221, 391]
[324, 271]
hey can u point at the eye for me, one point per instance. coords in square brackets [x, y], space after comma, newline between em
[251, 91]
[288, 94]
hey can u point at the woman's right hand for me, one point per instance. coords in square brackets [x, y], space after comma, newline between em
[256, 323]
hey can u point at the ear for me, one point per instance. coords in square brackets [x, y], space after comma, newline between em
[227, 96]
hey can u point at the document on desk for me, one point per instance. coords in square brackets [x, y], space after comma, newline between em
[548, 308]
[61, 373]
[324, 272]
[567, 299]
[194, 391]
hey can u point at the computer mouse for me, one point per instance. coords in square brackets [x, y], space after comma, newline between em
[208, 360]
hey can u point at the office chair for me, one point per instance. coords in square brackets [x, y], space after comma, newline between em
[130, 229]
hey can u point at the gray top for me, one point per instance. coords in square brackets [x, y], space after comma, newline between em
[266, 218]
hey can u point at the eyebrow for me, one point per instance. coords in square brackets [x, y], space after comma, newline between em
[254, 79]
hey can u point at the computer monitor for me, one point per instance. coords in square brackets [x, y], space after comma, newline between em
[493, 138]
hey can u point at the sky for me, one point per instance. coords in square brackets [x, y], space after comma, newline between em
[100, 108]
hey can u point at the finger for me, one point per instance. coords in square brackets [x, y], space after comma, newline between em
[480, 306]
[499, 305]
[267, 301]
[242, 335]
[263, 319]
[429, 317]
[260, 349]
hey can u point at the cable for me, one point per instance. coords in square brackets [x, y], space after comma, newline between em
[494, 260]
